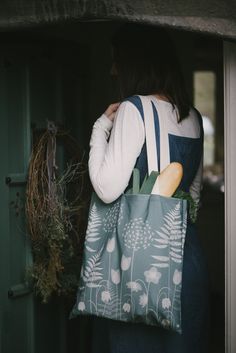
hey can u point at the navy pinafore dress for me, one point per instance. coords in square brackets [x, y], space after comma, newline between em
[110, 336]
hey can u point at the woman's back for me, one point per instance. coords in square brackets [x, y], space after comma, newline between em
[188, 127]
[176, 142]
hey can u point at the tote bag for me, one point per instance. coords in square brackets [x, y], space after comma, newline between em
[133, 251]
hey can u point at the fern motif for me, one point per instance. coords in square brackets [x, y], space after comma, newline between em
[110, 308]
[92, 232]
[184, 228]
[91, 272]
[170, 237]
[177, 235]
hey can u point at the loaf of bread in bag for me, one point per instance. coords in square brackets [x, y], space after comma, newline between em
[168, 180]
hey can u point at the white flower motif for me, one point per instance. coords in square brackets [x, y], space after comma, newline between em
[165, 323]
[152, 275]
[166, 303]
[125, 262]
[81, 306]
[134, 286]
[92, 285]
[177, 277]
[105, 296]
[126, 307]
[111, 245]
[143, 300]
[115, 276]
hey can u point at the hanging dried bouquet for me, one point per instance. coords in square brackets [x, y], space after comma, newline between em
[56, 200]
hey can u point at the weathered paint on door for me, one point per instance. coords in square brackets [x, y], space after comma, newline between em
[16, 300]
[36, 85]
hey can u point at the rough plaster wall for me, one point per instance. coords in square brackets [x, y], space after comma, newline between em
[217, 17]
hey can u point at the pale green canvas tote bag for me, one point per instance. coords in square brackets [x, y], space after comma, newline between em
[133, 251]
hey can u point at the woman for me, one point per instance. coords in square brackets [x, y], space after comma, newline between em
[146, 63]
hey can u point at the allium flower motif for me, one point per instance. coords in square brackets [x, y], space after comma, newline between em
[134, 286]
[143, 300]
[126, 307]
[115, 276]
[111, 217]
[121, 215]
[152, 275]
[125, 262]
[81, 306]
[111, 244]
[137, 234]
[105, 296]
[177, 277]
[166, 303]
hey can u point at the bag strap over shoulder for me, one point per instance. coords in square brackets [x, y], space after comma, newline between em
[151, 142]
[154, 122]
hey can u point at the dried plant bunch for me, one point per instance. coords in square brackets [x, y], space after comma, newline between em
[56, 203]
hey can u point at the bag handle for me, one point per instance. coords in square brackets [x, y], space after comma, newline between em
[152, 156]
[151, 148]
[151, 143]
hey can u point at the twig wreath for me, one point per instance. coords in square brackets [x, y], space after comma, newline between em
[55, 205]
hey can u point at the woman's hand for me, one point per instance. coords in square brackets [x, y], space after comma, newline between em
[111, 110]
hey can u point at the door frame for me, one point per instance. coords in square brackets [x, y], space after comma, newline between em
[229, 67]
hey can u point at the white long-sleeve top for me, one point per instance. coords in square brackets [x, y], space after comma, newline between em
[111, 162]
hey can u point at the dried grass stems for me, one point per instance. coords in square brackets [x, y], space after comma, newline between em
[55, 205]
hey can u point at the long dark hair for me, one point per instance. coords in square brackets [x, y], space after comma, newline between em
[146, 62]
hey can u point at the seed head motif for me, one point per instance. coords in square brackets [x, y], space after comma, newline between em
[111, 217]
[137, 234]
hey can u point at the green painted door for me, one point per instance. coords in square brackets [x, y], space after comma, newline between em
[17, 329]
[37, 83]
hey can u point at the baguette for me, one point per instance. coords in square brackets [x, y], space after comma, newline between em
[168, 180]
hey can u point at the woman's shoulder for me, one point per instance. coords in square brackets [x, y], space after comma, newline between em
[193, 122]
[130, 112]
[131, 106]
[134, 101]
[190, 126]
[194, 112]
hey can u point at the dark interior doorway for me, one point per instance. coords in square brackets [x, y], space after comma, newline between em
[71, 71]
